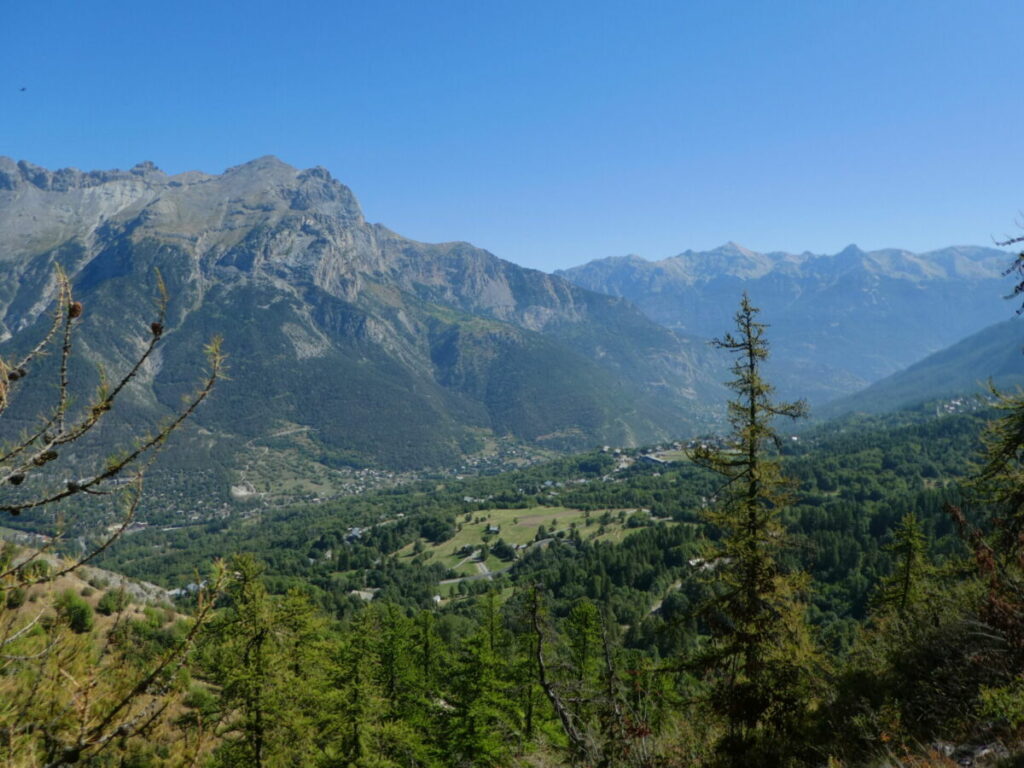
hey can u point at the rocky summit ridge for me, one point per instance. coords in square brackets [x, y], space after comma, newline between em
[379, 349]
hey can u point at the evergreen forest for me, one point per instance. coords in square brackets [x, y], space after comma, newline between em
[848, 593]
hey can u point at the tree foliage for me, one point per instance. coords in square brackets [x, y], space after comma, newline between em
[71, 697]
[760, 655]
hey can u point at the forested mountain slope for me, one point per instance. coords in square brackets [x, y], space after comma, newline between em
[964, 369]
[372, 348]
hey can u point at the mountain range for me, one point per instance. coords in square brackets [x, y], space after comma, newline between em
[378, 349]
[358, 347]
[837, 322]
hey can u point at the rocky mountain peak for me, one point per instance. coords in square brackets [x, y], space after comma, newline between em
[735, 249]
[728, 259]
[262, 164]
[267, 184]
[41, 209]
[145, 168]
[21, 174]
[386, 349]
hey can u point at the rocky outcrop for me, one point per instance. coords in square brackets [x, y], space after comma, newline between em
[390, 350]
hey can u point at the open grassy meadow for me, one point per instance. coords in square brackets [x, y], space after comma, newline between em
[518, 528]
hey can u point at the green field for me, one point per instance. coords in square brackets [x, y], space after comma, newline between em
[517, 527]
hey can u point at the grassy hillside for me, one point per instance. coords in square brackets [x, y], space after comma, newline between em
[472, 549]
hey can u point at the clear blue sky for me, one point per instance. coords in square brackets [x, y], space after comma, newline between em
[555, 132]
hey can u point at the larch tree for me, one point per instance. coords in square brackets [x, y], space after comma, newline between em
[999, 551]
[760, 659]
[484, 725]
[68, 700]
[904, 587]
[263, 652]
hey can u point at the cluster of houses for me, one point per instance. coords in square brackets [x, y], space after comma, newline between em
[959, 405]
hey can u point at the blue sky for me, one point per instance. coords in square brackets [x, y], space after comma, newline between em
[552, 132]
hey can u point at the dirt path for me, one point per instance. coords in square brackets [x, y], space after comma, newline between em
[672, 588]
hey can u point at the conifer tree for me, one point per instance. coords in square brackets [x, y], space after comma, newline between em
[258, 650]
[76, 699]
[909, 548]
[584, 631]
[370, 713]
[999, 551]
[402, 657]
[484, 726]
[608, 701]
[760, 657]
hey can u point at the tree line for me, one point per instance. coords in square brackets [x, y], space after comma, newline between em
[741, 626]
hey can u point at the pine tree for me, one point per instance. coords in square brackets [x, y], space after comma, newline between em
[261, 651]
[484, 726]
[909, 548]
[761, 657]
[370, 715]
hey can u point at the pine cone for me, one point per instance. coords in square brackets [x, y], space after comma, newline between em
[44, 457]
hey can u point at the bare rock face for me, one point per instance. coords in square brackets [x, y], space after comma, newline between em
[391, 351]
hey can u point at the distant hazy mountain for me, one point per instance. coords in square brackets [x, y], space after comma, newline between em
[389, 351]
[995, 353]
[838, 323]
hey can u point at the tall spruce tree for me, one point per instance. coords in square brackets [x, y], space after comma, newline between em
[760, 658]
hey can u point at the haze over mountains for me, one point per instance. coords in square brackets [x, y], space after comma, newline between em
[379, 349]
[838, 323]
[964, 368]
[372, 349]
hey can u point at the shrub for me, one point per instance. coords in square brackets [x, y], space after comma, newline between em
[113, 601]
[75, 611]
[15, 597]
